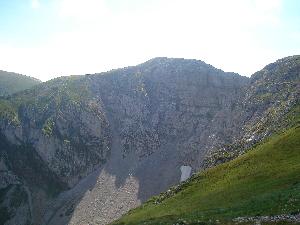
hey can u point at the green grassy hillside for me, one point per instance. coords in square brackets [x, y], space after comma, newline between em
[12, 82]
[264, 181]
[48, 96]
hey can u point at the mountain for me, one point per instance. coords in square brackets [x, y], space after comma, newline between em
[86, 149]
[11, 83]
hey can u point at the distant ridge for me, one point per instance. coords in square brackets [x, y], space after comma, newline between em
[11, 83]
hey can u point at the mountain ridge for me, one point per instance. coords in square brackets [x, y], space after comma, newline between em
[14, 82]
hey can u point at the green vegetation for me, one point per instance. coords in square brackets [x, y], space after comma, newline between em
[44, 101]
[11, 83]
[48, 127]
[52, 93]
[293, 117]
[264, 181]
[8, 111]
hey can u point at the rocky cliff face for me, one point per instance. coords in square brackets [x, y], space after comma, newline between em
[268, 104]
[62, 125]
[55, 136]
[134, 127]
[186, 103]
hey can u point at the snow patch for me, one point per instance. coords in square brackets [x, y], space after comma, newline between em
[185, 173]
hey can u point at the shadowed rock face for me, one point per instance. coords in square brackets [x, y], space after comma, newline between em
[134, 127]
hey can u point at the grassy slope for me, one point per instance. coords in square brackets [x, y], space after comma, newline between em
[264, 181]
[12, 82]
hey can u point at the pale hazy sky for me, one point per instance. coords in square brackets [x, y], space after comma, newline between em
[50, 38]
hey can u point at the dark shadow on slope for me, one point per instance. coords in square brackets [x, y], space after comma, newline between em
[32, 175]
[122, 183]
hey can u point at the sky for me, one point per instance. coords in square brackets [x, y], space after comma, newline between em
[52, 38]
